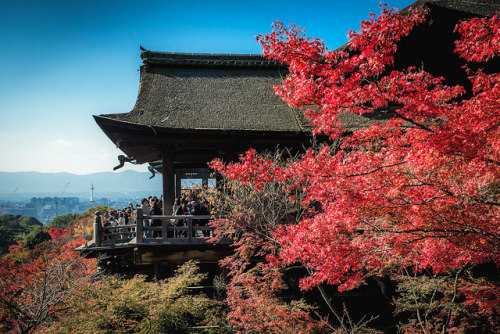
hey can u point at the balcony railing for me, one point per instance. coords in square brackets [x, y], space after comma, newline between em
[186, 229]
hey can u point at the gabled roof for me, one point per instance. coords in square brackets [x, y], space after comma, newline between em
[209, 103]
[211, 92]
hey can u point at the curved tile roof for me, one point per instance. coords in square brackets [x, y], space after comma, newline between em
[211, 92]
[224, 92]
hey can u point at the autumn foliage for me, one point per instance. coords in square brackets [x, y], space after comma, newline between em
[418, 192]
[34, 283]
[251, 217]
[414, 199]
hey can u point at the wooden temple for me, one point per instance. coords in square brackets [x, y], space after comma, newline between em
[192, 108]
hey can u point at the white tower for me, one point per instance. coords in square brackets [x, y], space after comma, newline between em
[92, 192]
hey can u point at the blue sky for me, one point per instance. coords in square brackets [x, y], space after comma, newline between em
[64, 61]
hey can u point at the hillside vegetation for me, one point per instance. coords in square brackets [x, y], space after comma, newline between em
[14, 228]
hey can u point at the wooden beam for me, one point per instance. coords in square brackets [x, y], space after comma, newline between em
[168, 182]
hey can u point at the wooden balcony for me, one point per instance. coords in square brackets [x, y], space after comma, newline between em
[165, 230]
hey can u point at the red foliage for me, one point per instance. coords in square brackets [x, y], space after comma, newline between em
[420, 190]
[480, 38]
[251, 168]
[33, 283]
[57, 233]
[255, 308]
[484, 300]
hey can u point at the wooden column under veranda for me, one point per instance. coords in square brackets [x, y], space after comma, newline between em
[168, 175]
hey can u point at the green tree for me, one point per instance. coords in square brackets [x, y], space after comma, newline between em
[62, 221]
[90, 212]
[113, 305]
[27, 221]
[37, 236]
[14, 228]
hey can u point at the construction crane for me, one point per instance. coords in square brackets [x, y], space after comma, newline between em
[8, 200]
[65, 188]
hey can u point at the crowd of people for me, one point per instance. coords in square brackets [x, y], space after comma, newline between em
[188, 205]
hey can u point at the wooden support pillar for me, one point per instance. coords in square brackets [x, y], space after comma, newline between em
[168, 183]
[178, 186]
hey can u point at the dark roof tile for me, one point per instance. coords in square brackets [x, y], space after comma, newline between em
[218, 98]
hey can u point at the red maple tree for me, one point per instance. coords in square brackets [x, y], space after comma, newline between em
[34, 283]
[419, 191]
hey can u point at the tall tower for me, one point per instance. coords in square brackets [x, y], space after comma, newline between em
[92, 192]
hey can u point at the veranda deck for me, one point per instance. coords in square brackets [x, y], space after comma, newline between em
[155, 230]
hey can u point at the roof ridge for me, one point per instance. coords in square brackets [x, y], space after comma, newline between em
[204, 54]
[207, 59]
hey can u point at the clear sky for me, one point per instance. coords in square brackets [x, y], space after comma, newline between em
[63, 61]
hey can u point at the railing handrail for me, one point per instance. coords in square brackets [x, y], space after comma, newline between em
[162, 217]
[170, 230]
[118, 226]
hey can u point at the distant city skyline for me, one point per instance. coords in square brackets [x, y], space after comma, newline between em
[64, 61]
[59, 184]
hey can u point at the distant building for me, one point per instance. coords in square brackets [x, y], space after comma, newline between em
[50, 207]
[20, 209]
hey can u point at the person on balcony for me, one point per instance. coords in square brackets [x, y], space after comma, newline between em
[146, 212]
[146, 208]
[121, 221]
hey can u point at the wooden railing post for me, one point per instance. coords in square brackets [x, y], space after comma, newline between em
[97, 229]
[139, 225]
[190, 228]
[164, 228]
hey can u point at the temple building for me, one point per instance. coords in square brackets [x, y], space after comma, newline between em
[192, 108]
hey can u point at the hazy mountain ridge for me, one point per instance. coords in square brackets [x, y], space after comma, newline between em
[55, 183]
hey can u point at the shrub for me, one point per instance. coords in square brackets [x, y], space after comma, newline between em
[37, 236]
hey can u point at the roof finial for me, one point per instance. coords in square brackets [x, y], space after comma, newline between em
[142, 48]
